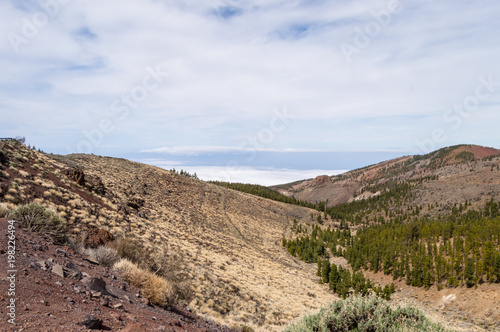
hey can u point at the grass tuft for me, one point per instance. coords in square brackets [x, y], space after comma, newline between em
[155, 288]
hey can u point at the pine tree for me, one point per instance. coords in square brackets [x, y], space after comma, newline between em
[325, 271]
[469, 273]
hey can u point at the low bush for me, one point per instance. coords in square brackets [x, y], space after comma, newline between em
[106, 256]
[36, 218]
[364, 314]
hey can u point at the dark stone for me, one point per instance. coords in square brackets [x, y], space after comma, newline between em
[3, 158]
[135, 203]
[76, 175]
[97, 284]
[91, 322]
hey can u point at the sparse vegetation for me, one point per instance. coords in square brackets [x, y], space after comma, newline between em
[156, 289]
[104, 255]
[161, 262]
[37, 218]
[266, 192]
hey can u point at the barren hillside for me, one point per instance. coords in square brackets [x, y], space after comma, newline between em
[451, 175]
[231, 242]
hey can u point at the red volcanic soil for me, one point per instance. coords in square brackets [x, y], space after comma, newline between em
[45, 301]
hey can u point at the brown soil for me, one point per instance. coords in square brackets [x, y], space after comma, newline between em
[47, 302]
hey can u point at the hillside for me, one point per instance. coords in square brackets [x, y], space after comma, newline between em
[429, 225]
[231, 242]
[450, 175]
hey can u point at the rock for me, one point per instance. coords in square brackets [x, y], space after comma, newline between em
[320, 180]
[97, 237]
[95, 294]
[118, 306]
[104, 302]
[94, 183]
[76, 175]
[60, 251]
[58, 283]
[42, 264]
[97, 284]
[37, 247]
[134, 328]
[135, 203]
[76, 275]
[91, 260]
[91, 322]
[70, 300]
[58, 269]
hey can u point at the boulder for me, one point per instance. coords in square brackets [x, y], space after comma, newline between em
[91, 322]
[98, 285]
[97, 237]
[76, 175]
[58, 269]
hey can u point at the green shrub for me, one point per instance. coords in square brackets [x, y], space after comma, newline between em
[36, 218]
[364, 314]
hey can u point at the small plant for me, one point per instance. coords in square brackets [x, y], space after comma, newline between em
[36, 218]
[104, 255]
[4, 210]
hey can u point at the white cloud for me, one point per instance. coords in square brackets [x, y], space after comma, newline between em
[229, 72]
[262, 176]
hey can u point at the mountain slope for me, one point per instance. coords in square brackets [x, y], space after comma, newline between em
[231, 242]
[450, 175]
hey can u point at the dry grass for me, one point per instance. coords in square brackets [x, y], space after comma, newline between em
[230, 242]
[104, 255]
[155, 288]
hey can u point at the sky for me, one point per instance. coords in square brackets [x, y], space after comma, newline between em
[252, 91]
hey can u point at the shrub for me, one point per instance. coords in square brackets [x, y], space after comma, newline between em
[104, 255]
[36, 218]
[127, 248]
[364, 314]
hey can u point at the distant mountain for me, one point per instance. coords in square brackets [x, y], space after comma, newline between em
[450, 175]
[246, 258]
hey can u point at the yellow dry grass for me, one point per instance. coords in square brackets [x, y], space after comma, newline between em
[156, 289]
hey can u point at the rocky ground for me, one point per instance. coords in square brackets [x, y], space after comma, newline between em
[59, 290]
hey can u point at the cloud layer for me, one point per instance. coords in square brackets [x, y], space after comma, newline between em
[124, 76]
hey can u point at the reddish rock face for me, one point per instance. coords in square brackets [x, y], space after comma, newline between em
[97, 237]
[322, 179]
